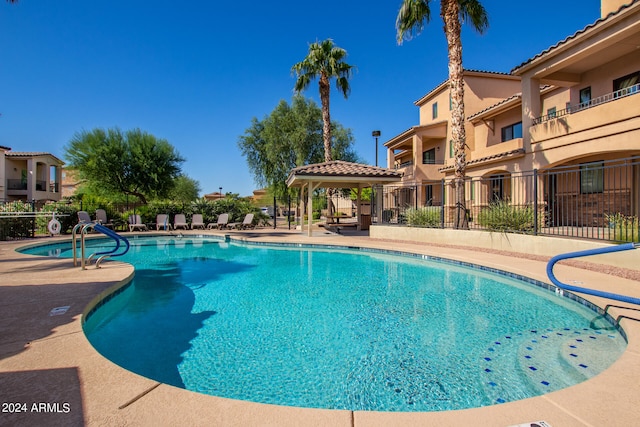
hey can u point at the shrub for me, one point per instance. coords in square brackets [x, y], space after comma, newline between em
[16, 228]
[428, 216]
[501, 216]
[625, 228]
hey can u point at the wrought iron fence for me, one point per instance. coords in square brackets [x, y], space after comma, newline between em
[26, 219]
[594, 200]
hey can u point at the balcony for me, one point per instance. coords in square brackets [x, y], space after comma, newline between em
[406, 167]
[603, 116]
[631, 90]
[16, 184]
[495, 151]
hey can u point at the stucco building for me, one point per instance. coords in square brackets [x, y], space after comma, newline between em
[29, 176]
[571, 108]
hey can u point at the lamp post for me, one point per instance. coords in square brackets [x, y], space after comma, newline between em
[220, 192]
[376, 134]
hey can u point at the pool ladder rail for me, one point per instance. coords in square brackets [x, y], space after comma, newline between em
[589, 252]
[83, 228]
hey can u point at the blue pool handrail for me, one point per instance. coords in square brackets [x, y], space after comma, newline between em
[589, 252]
[84, 227]
[118, 238]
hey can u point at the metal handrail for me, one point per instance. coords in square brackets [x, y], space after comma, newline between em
[83, 228]
[589, 252]
[78, 227]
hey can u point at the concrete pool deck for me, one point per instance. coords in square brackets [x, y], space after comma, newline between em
[51, 375]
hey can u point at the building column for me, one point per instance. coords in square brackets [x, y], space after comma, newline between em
[391, 158]
[531, 108]
[417, 162]
[31, 179]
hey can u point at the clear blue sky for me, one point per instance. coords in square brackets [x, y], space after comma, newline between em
[195, 73]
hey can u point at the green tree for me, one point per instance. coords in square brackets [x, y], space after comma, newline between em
[132, 163]
[410, 22]
[185, 189]
[290, 136]
[324, 61]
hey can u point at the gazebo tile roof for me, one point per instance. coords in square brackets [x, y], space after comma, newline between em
[342, 168]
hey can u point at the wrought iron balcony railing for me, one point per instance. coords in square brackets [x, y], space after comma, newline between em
[631, 90]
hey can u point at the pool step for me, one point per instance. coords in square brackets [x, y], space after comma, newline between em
[542, 361]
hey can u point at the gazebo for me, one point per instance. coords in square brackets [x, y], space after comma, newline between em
[339, 174]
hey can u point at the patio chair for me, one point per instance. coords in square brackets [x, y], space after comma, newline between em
[223, 220]
[179, 221]
[135, 223]
[101, 218]
[197, 221]
[162, 222]
[83, 216]
[246, 223]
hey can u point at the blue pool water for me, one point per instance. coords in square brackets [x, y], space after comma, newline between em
[342, 329]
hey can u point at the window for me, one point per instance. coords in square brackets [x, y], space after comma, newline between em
[429, 157]
[551, 112]
[592, 178]
[627, 81]
[585, 96]
[428, 195]
[497, 187]
[512, 132]
[451, 148]
[434, 110]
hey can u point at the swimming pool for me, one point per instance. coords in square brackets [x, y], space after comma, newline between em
[342, 329]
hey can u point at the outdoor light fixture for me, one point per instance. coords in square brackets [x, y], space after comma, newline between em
[376, 134]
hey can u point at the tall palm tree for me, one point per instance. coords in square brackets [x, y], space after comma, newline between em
[411, 19]
[324, 61]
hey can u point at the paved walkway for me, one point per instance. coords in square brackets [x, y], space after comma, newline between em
[50, 375]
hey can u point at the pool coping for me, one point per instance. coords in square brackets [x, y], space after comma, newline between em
[53, 353]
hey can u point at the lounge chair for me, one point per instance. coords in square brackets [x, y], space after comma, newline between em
[162, 222]
[223, 220]
[101, 218]
[135, 223]
[83, 216]
[246, 223]
[179, 221]
[197, 222]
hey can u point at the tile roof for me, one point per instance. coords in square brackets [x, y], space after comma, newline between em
[576, 34]
[493, 157]
[26, 153]
[497, 104]
[2, 147]
[30, 154]
[347, 169]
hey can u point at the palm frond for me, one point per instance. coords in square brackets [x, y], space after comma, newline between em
[472, 12]
[411, 19]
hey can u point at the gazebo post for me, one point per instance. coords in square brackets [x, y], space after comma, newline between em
[310, 205]
[358, 208]
[309, 208]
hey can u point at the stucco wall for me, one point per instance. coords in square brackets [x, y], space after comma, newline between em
[534, 245]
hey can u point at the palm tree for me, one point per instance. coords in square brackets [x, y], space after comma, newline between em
[324, 61]
[411, 19]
